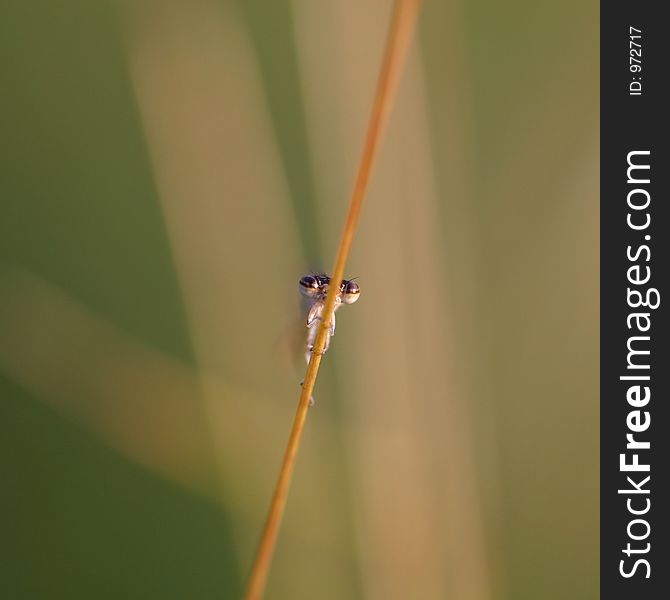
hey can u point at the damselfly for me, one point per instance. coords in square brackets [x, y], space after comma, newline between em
[315, 289]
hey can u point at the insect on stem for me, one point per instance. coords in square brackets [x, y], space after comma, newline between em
[315, 289]
[400, 32]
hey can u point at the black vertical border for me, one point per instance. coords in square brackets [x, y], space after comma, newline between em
[631, 123]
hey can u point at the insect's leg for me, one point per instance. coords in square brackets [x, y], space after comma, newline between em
[311, 336]
[314, 314]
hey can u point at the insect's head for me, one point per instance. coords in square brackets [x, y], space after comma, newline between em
[316, 286]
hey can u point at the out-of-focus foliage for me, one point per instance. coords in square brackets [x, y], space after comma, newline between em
[169, 169]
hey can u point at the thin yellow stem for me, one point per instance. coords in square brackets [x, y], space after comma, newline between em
[399, 36]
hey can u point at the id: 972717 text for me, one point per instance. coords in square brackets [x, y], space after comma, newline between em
[635, 61]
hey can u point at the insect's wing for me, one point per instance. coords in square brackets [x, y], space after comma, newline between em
[290, 345]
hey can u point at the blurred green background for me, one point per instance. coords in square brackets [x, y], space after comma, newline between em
[170, 169]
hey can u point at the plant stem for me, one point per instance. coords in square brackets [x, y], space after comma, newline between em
[399, 36]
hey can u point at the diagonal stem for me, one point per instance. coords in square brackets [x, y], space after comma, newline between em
[402, 26]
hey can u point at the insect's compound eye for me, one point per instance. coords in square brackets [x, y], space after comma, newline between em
[309, 281]
[350, 292]
[309, 286]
